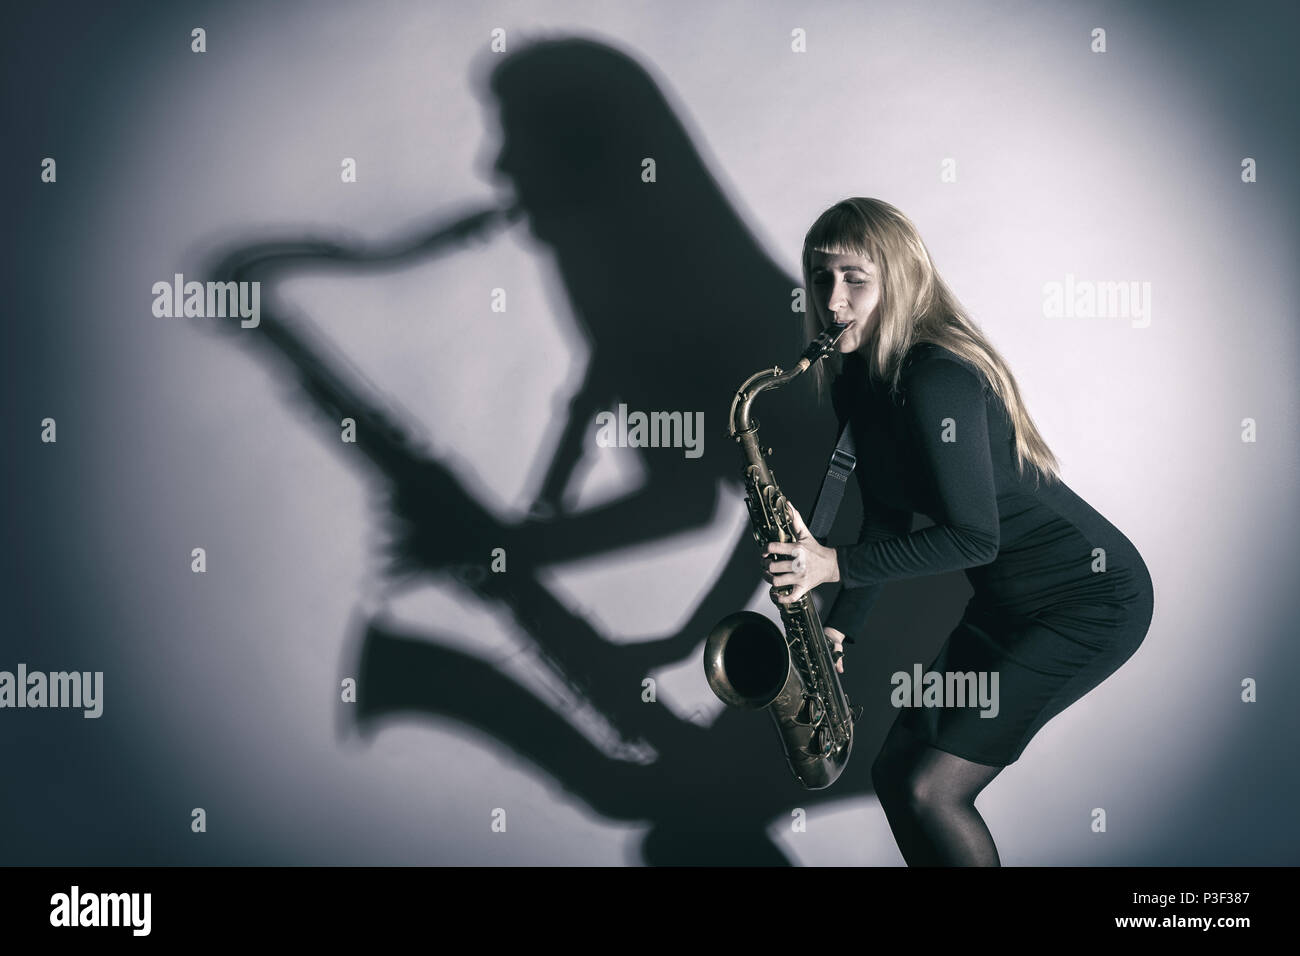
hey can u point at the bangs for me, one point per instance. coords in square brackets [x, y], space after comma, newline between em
[842, 230]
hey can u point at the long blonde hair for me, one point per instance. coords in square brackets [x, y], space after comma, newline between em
[916, 306]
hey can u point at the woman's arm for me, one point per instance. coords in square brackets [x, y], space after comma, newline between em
[849, 610]
[947, 413]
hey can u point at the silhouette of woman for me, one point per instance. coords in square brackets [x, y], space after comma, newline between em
[678, 300]
[1061, 598]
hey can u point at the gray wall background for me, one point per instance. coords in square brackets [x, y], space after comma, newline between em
[222, 688]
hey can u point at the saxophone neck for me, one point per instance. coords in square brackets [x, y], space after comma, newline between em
[820, 347]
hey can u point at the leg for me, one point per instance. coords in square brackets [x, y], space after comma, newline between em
[929, 799]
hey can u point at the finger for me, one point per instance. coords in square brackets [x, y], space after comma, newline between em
[779, 548]
[797, 520]
[798, 592]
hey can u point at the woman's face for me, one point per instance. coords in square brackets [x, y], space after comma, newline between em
[846, 288]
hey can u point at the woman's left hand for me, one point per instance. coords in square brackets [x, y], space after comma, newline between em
[802, 564]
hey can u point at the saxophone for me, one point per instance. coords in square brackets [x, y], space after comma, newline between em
[748, 662]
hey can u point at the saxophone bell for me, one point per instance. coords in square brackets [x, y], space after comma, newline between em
[746, 660]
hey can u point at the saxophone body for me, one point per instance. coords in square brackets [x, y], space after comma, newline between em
[749, 662]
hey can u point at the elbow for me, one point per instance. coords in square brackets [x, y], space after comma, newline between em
[981, 545]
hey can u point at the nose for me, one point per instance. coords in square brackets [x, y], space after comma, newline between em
[839, 300]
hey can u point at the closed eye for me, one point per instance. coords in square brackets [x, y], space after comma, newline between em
[820, 277]
[821, 280]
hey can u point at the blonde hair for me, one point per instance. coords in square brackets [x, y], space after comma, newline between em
[915, 306]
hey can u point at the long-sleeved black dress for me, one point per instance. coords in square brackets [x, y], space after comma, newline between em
[1061, 598]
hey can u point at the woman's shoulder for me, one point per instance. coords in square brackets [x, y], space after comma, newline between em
[924, 352]
[925, 365]
[929, 364]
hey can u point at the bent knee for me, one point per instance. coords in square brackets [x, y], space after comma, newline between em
[905, 783]
[898, 781]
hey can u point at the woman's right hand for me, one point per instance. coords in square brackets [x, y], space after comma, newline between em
[837, 647]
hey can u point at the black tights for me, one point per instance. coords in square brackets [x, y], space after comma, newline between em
[929, 799]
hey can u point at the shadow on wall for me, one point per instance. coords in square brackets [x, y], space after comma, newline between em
[680, 305]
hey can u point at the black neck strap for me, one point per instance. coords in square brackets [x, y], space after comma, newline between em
[831, 494]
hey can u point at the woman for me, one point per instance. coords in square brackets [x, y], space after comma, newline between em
[1061, 598]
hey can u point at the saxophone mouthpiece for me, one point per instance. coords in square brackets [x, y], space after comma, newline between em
[823, 345]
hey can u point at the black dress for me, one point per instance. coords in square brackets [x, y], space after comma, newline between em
[1061, 598]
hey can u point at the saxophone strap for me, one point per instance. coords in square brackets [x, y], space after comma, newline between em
[831, 494]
